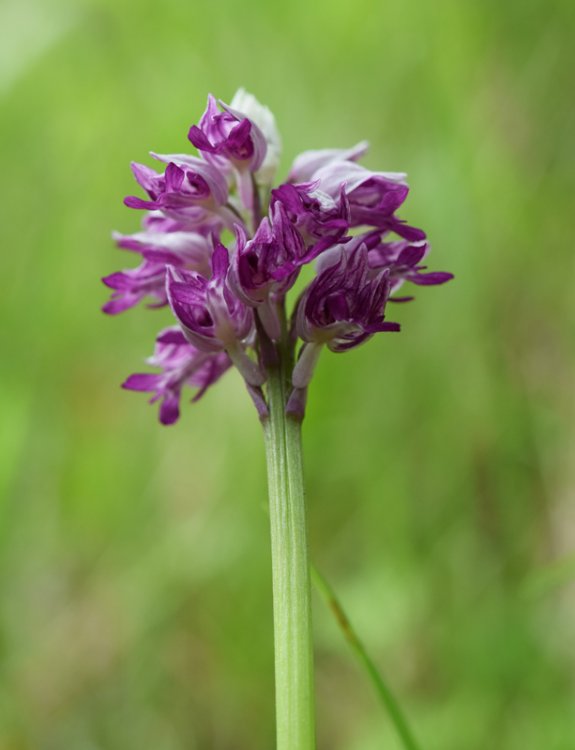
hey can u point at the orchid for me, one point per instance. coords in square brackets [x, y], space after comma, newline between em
[222, 248]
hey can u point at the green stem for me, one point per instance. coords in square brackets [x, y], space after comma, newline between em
[383, 691]
[295, 722]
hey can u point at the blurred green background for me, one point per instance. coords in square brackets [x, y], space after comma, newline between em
[135, 568]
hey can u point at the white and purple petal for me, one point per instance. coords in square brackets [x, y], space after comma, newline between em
[307, 163]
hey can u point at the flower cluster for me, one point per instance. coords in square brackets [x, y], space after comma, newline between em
[222, 247]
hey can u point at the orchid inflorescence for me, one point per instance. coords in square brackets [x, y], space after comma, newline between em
[222, 247]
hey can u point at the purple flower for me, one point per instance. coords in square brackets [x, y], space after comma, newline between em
[373, 197]
[253, 263]
[344, 305]
[265, 267]
[209, 313]
[267, 264]
[190, 190]
[181, 249]
[228, 136]
[320, 219]
[181, 364]
[211, 316]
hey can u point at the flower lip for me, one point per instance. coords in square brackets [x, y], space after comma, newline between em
[131, 286]
[212, 317]
[181, 364]
[402, 259]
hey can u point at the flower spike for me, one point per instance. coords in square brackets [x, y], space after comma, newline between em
[228, 296]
